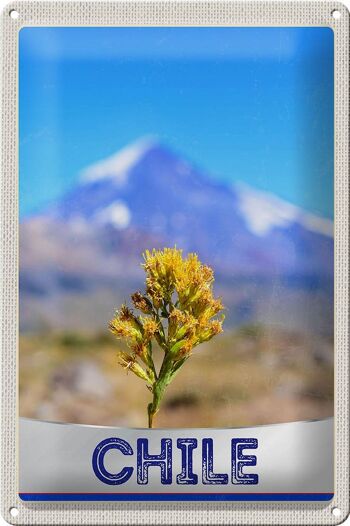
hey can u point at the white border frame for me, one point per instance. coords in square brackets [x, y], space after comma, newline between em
[174, 13]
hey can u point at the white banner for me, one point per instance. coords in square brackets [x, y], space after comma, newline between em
[292, 461]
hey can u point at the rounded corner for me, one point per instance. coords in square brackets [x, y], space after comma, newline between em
[6, 517]
[6, 9]
[330, 30]
[340, 6]
[21, 29]
[343, 518]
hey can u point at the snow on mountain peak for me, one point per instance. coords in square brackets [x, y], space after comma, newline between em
[264, 211]
[117, 166]
[117, 214]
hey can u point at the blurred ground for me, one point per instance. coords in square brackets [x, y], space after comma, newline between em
[251, 376]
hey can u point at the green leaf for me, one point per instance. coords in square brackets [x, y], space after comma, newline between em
[178, 346]
[178, 365]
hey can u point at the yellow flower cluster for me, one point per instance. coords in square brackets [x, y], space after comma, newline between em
[183, 289]
[179, 312]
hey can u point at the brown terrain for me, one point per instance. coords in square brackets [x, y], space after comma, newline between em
[250, 376]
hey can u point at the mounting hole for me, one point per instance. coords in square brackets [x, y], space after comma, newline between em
[336, 512]
[14, 14]
[14, 512]
[336, 14]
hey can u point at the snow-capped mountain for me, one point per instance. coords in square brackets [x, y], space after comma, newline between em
[264, 211]
[89, 242]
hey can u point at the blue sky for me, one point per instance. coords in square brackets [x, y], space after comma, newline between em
[246, 104]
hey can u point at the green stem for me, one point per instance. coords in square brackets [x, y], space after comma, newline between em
[153, 407]
[161, 328]
[151, 362]
[159, 387]
[150, 416]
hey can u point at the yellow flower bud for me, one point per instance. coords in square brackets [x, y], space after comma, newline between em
[142, 303]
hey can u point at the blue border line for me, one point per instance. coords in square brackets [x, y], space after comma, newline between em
[176, 496]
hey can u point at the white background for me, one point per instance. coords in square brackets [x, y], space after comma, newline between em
[3, 3]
